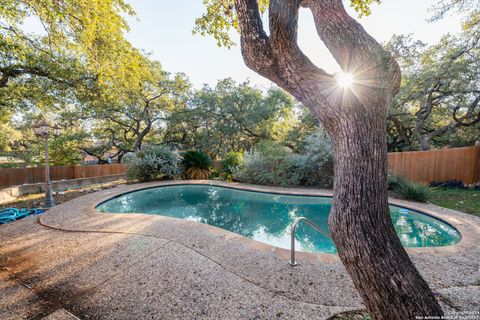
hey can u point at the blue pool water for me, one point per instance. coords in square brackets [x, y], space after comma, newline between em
[267, 217]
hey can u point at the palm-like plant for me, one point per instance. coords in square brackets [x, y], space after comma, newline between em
[197, 165]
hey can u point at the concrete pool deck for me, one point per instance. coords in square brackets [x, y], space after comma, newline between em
[74, 261]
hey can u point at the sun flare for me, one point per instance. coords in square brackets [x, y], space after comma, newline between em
[344, 80]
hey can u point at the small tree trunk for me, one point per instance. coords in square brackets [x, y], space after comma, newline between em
[120, 157]
[425, 142]
[361, 226]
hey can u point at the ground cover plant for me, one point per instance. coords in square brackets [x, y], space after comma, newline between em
[402, 188]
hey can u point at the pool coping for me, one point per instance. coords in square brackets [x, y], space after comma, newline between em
[467, 225]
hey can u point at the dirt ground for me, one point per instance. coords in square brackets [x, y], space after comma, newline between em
[38, 200]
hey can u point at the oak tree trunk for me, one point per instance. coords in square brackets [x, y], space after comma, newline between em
[361, 227]
[356, 119]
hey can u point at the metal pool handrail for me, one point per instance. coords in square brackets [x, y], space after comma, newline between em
[292, 261]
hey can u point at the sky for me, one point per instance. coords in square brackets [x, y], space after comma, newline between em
[164, 29]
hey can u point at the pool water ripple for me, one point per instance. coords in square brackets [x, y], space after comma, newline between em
[267, 217]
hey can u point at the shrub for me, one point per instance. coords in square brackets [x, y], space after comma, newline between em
[267, 169]
[64, 151]
[271, 148]
[231, 161]
[458, 184]
[318, 160]
[408, 190]
[214, 175]
[151, 163]
[414, 191]
[291, 171]
[255, 169]
[274, 165]
[9, 165]
[196, 165]
[395, 181]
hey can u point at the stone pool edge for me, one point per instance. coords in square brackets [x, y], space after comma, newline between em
[467, 225]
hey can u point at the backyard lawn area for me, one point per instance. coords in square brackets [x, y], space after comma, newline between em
[466, 200]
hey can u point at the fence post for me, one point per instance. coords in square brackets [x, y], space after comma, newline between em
[477, 160]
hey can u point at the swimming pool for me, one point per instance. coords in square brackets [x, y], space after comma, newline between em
[267, 217]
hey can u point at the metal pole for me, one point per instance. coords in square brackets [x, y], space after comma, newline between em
[292, 261]
[49, 202]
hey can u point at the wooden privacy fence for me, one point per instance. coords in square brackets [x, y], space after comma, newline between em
[437, 165]
[419, 166]
[14, 176]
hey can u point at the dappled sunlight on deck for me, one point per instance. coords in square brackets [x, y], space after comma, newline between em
[90, 263]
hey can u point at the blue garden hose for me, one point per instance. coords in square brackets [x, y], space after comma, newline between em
[12, 214]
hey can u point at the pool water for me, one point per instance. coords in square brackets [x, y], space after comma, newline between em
[267, 217]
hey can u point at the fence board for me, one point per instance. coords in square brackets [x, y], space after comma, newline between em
[437, 165]
[419, 166]
[18, 176]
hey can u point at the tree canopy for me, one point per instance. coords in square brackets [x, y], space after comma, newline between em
[80, 44]
[439, 101]
[220, 18]
[231, 117]
[81, 72]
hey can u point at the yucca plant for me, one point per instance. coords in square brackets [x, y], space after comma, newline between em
[408, 190]
[197, 165]
[413, 191]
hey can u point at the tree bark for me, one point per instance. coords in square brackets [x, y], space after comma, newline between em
[361, 227]
[355, 118]
[425, 142]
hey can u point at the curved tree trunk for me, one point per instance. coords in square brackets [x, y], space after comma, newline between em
[356, 119]
[361, 226]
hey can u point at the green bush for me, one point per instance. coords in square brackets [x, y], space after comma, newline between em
[255, 169]
[395, 181]
[259, 168]
[408, 190]
[272, 148]
[64, 151]
[196, 165]
[275, 166]
[9, 165]
[231, 161]
[318, 160]
[214, 175]
[414, 191]
[152, 163]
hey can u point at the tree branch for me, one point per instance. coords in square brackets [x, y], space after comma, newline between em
[355, 51]
[256, 50]
[298, 72]
[278, 59]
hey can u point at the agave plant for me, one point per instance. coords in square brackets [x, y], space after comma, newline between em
[197, 165]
